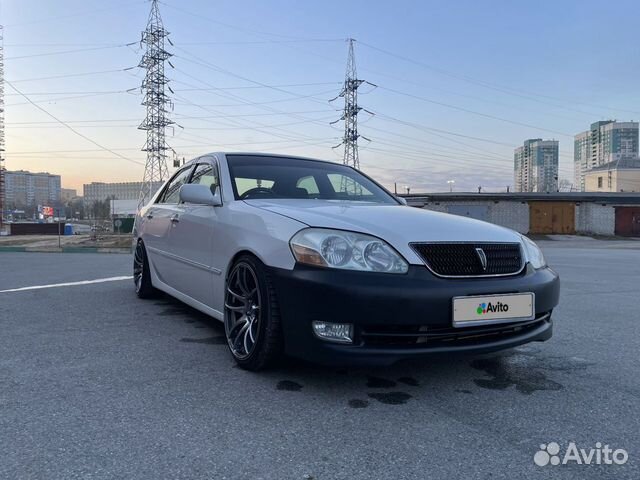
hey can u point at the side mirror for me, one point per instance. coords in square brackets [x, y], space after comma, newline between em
[402, 200]
[200, 195]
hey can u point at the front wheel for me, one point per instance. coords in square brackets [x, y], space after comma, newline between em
[251, 315]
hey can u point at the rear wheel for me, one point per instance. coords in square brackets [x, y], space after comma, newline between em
[141, 273]
[251, 315]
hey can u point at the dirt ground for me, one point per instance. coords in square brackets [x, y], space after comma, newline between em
[51, 241]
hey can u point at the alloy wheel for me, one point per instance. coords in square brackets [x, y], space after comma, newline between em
[242, 310]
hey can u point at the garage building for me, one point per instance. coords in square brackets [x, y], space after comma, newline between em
[589, 213]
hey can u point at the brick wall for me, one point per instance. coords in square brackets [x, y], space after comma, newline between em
[514, 215]
[596, 219]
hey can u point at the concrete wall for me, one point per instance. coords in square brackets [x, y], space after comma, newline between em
[590, 218]
[594, 218]
[514, 215]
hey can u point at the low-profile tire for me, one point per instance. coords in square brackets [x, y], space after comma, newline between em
[141, 273]
[251, 315]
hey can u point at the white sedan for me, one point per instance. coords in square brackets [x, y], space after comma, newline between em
[316, 260]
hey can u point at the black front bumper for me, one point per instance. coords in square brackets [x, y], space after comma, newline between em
[402, 316]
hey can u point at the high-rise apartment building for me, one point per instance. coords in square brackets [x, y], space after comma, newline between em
[535, 166]
[28, 189]
[605, 142]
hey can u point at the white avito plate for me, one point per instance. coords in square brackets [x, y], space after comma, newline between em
[484, 309]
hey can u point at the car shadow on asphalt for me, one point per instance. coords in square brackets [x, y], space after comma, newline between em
[525, 370]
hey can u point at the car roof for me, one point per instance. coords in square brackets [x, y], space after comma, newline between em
[257, 154]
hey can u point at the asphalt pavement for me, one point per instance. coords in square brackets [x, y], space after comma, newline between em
[95, 383]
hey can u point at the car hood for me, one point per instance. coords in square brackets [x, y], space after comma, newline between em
[396, 224]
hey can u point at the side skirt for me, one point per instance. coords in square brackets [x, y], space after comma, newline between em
[157, 283]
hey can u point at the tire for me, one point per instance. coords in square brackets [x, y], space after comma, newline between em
[141, 273]
[252, 320]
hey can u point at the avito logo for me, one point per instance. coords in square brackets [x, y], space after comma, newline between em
[492, 308]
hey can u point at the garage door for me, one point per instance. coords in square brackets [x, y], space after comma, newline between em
[552, 217]
[628, 221]
[479, 212]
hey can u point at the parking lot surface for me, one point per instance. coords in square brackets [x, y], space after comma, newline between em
[95, 383]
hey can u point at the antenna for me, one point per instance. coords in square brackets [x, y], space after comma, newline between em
[157, 102]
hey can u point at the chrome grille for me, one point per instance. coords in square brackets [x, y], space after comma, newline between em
[466, 259]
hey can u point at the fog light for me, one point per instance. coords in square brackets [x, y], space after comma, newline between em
[334, 332]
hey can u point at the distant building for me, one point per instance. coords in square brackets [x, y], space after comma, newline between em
[618, 176]
[535, 166]
[99, 192]
[28, 189]
[68, 194]
[123, 208]
[606, 142]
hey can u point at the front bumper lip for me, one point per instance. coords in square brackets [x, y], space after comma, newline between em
[362, 355]
[418, 298]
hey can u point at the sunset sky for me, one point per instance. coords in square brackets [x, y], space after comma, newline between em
[458, 86]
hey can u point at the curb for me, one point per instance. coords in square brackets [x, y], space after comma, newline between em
[65, 249]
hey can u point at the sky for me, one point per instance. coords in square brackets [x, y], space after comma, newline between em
[456, 85]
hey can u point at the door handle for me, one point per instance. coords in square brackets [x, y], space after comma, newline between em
[175, 218]
[149, 216]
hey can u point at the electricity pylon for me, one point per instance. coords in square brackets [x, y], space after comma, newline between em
[157, 102]
[351, 109]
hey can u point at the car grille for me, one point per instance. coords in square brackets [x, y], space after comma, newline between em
[464, 259]
[415, 336]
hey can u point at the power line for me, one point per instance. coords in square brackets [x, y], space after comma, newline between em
[135, 149]
[241, 99]
[265, 42]
[432, 132]
[493, 86]
[102, 147]
[59, 99]
[506, 90]
[49, 18]
[183, 117]
[245, 29]
[39, 94]
[219, 69]
[65, 52]
[473, 112]
[253, 87]
[69, 75]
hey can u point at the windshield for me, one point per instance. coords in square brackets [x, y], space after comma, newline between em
[264, 177]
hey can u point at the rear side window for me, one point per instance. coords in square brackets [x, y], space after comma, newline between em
[171, 194]
[309, 184]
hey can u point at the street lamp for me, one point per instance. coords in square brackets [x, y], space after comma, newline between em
[451, 182]
[407, 188]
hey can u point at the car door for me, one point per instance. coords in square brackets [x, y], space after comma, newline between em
[191, 238]
[158, 222]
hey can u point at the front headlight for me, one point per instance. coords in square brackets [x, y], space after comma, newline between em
[346, 250]
[534, 254]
